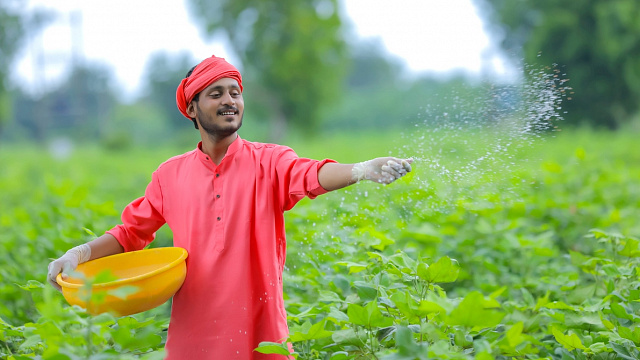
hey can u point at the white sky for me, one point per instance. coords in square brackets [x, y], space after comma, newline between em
[430, 35]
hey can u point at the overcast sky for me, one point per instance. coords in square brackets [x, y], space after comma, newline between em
[430, 35]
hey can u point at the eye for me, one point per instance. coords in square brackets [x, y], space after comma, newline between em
[215, 95]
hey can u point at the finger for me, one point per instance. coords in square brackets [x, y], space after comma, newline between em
[394, 165]
[390, 171]
[406, 165]
[51, 278]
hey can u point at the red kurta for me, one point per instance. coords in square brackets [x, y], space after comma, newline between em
[230, 219]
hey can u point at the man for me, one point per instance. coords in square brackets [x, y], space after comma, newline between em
[225, 203]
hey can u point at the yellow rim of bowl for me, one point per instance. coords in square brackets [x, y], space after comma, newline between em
[182, 256]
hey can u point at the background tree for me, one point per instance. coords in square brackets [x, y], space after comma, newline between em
[164, 71]
[596, 42]
[11, 32]
[292, 53]
[79, 107]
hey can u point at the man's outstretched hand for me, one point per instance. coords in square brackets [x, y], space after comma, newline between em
[384, 170]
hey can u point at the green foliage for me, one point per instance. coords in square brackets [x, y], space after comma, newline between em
[597, 44]
[11, 32]
[79, 107]
[163, 74]
[541, 268]
[292, 52]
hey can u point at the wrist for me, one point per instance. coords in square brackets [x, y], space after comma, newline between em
[358, 172]
[81, 252]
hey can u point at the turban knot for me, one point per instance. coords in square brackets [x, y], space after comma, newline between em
[207, 72]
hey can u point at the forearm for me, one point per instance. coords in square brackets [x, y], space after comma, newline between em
[384, 170]
[334, 176]
[104, 245]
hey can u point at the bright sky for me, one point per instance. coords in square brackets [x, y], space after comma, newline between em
[430, 35]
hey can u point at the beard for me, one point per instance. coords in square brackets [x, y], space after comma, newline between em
[214, 129]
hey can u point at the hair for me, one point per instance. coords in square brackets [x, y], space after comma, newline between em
[196, 97]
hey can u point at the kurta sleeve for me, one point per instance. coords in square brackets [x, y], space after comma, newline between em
[141, 218]
[297, 177]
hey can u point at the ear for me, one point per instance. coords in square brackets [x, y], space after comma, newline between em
[191, 110]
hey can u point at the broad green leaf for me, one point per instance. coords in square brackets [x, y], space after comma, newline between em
[619, 311]
[471, 312]
[376, 318]
[608, 324]
[337, 315]
[347, 336]
[365, 291]
[445, 270]
[311, 332]
[630, 248]
[514, 334]
[267, 347]
[498, 292]
[407, 306]
[358, 315]
[352, 266]
[31, 284]
[328, 296]
[569, 342]
[422, 271]
[426, 308]
[368, 316]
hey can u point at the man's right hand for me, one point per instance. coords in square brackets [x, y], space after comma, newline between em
[66, 263]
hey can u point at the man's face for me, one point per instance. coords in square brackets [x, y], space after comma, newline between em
[220, 108]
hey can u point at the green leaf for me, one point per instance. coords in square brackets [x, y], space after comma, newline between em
[365, 291]
[445, 270]
[310, 332]
[426, 308]
[337, 315]
[31, 284]
[514, 334]
[347, 336]
[328, 296]
[471, 312]
[376, 318]
[619, 311]
[267, 347]
[569, 342]
[368, 316]
[357, 314]
[352, 266]
[630, 248]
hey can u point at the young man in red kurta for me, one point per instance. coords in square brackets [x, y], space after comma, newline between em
[224, 202]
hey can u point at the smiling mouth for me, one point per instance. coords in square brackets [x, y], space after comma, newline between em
[228, 112]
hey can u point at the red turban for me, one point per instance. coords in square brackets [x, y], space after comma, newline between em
[207, 72]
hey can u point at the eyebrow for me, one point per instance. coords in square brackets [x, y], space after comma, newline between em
[220, 87]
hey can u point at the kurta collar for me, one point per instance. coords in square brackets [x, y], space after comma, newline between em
[232, 149]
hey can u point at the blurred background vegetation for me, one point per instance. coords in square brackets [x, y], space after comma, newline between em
[306, 73]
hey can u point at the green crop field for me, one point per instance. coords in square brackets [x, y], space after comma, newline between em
[532, 254]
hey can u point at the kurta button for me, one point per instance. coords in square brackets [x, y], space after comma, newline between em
[217, 175]
[218, 218]
[218, 196]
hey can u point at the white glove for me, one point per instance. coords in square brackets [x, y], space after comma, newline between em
[382, 170]
[68, 262]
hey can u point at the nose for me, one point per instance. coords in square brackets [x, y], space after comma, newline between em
[227, 99]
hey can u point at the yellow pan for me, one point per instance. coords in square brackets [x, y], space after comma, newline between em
[137, 281]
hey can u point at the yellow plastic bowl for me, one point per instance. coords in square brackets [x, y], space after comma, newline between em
[139, 281]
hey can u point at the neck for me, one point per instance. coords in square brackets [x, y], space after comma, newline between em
[216, 147]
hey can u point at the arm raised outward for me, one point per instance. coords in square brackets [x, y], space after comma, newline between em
[384, 170]
[105, 245]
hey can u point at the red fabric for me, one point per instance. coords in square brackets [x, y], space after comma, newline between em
[207, 72]
[230, 218]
